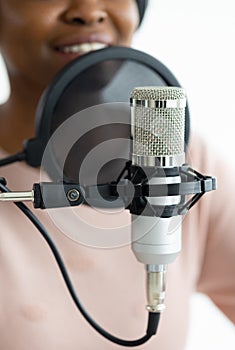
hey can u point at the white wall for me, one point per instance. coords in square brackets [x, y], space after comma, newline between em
[195, 40]
[4, 84]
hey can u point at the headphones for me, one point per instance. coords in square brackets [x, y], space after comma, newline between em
[142, 4]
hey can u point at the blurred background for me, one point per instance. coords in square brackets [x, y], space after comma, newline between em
[194, 39]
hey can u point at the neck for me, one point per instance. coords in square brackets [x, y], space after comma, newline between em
[17, 116]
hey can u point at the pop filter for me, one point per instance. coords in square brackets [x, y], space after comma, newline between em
[101, 78]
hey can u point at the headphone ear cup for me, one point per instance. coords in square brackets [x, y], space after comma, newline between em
[142, 5]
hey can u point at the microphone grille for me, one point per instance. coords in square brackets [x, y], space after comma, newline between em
[158, 121]
[158, 93]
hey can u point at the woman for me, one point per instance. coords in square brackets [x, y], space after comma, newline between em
[37, 38]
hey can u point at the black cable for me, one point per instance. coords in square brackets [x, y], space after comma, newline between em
[153, 319]
[18, 157]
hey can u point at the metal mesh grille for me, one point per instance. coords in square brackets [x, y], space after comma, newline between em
[161, 93]
[158, 131]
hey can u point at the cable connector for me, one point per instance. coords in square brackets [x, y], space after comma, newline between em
[156, 285]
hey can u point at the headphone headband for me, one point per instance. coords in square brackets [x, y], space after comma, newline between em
[142, 4]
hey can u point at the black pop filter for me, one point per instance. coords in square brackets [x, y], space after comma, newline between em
[87, 105]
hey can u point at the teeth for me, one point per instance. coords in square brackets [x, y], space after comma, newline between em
[82, 48]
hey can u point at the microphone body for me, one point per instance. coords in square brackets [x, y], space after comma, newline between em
[158, 129]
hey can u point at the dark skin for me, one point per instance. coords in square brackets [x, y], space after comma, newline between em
[29, 44]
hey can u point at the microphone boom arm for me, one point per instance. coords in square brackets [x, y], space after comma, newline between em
[47, 195]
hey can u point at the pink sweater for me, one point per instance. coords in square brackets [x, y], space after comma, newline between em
[36, 310]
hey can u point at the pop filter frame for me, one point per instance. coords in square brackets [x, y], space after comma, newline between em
[34, 148]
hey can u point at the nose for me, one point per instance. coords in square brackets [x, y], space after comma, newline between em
[85, 12]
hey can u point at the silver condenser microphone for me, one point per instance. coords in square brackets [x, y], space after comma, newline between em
[158, 129]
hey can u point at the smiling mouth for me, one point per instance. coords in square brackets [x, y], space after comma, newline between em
[81, 48]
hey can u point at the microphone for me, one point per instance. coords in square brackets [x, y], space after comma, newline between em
[158, 129]
[154, 190]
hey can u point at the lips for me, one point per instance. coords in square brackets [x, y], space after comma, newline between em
[82, 44]
[81, 48]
